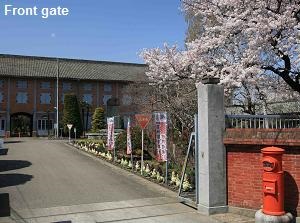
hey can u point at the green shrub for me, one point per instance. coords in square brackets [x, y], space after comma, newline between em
[71, 114]
[98, 121]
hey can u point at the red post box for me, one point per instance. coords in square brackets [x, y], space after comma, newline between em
[273, 184]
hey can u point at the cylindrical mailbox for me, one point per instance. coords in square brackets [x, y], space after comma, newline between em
[273, 184]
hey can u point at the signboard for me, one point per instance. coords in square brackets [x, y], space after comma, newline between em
[161, 127]
[69, 126]
[110, 133]
[129, 146]
[143, 120]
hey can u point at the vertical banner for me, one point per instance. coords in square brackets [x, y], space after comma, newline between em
[129, 146]
[161, 126]
[110, 133]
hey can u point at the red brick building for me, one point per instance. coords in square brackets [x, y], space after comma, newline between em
[28, 87]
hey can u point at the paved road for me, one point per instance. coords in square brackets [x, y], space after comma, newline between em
[49, 181]
[56, 175]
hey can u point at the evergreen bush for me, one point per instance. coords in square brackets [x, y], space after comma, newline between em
[71, 114]
[98, 121]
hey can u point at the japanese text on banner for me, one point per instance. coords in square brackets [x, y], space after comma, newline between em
[110, 133]
[129, 146]
[161, 135]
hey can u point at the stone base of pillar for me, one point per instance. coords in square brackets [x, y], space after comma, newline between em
[211, 210]
[260, 217]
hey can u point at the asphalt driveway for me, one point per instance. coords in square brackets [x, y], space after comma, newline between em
[40, 173]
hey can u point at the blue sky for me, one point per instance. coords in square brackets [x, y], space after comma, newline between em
[111, 30]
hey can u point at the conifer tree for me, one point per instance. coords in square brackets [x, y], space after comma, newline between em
[98, 121]
[71, 114]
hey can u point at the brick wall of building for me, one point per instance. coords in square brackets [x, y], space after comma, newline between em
[244, 170]
[38, 110]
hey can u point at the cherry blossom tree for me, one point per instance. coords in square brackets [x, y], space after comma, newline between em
[243, 42]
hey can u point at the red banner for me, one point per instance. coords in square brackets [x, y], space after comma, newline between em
[129, 146]
[110, 133]
[161, 136]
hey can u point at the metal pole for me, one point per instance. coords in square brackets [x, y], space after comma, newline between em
[87, 117]
[69, 135]
[166, 178]
[131, 160]
[83, 126]
[48, 123]
[142, 157]
[57, 98]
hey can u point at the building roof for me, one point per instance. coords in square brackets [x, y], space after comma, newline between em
[45, 67]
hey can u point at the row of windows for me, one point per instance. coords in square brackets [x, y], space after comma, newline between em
[43, 124]
[66, 86]
[45, 98]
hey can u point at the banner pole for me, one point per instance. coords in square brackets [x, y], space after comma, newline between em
[142, 156]
[166, 180]
[131, 161]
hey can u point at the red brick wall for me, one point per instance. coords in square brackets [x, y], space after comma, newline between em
[244, 171]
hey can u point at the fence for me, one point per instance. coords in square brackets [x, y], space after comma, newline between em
[263, 121]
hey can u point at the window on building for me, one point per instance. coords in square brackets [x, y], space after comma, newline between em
[67, 86]
[22, 98]
[22, 84]
[107, 87]
[1, 83]
[2, 124]
[126, 100]
[88, 98]
[1, 97]
[87, 86]
[45, 98]
[106, 98]
[43, 123]
[45, 85]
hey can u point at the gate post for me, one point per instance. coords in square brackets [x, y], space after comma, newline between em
[212, 191]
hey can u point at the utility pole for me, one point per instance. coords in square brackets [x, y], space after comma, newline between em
[57, 98]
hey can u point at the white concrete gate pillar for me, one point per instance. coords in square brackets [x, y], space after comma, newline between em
[212, 192]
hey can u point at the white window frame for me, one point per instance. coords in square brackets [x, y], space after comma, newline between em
[126, 100]
[42, 124]
[106, 98]
[45, 98]
[88, 98]
[23, 96]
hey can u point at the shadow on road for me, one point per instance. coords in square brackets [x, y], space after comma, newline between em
[3, 152]
[13, 141]
[6, 165]
[14, 179]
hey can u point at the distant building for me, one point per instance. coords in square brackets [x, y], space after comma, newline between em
[28, 90]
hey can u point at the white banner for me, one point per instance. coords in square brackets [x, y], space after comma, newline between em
[129, 146]
[110, 133]
[161, 136]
